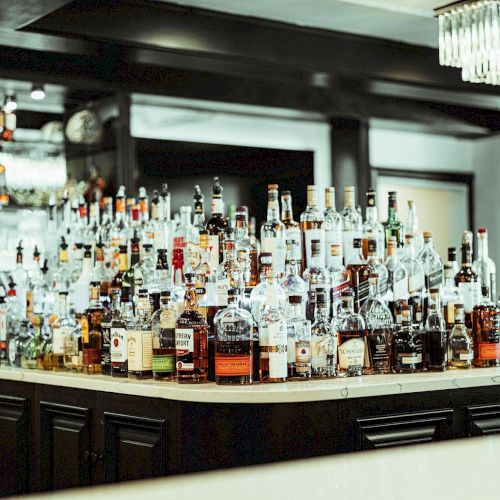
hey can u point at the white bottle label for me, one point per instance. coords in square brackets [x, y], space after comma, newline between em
[277, 349]
[333, 237]
[416, 282]
[58, 341]
[348, 245]
[213, 241]
[263, 341]
[351, 353]
[222, 292]
[118, 348]
[184, 341]
[293, 235]
[139, 350]
[400, 289]
[470, 294]
[275, 246]
[12, 351]
[217, 206]
[315, 234]
[411, 360]
[321, 349]
[466, 356]
[3, 325]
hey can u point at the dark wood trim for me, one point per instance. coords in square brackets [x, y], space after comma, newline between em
[460, 178]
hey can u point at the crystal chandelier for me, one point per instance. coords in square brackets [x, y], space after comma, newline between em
[469, 38]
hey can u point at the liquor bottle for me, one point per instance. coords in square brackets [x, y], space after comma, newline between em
[461, 352]
[407, 346]
[377, 266]
[64, 337]
[350, 328]
[36, 291]
[119, 228]
[416, 281]
[3, 332]
[398, 281]
[132, 276]
[101, 272]
[254, 253]
[227, 273]
[272, 233]
[168, 224]
[183, 231]
[272, 335]
[92, 228]
[484, 266]
[379, 330]
[20, 277]
[118, 282]
[298, 340]
[153, 229]
[106, 324]
[4, 195]
[92, 331]
[293, 235]
[352, 225]
[62, 279]
[104, 230]
[47, 353]
[144, 213]
[191, 339]
[161, 281]
[486, 331]
[163, 325]
[316, 276]
[147, 266]
[78, 234]
[452, 259]
[332, 226]
[206, 277]
[33, 354]
[242, 243]
[359, 272]
[339, 277]
[140, 340]
[393, 225]
[450, 295]
[436, 344]
[323, 339]
[15, 324]
[50, 238]
[467, 280]
[311, 223]
[217, 225]
[411, 227]
[294, 286]
[372, 228]
[233, 343]
[431, 262]
[193, 237]
[178, 278]
[80, 288]
[119, 326]
[76, 263]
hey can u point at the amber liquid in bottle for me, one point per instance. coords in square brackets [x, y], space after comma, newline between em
[92, 333]
[486, 332]
[467, 280]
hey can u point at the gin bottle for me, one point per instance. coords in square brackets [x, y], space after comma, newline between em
[333, 227]
[311, 222]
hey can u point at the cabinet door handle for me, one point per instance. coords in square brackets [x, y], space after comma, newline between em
[92, 457]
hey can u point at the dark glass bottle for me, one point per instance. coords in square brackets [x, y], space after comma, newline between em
[118, 349]
[407, 346]
[91, 322]
[130, 278]
[436, 341]
[217, 225]
[106, 324]
[191, 339]
[359, 273]
[393, 225]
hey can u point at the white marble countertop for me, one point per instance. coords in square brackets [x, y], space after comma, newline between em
[290, 392]
[434, 471]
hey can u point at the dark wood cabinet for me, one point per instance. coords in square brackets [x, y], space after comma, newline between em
[482, 420]
[15, 445]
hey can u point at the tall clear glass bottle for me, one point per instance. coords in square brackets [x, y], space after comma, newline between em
[398, 280]
[294, 286]
[372, 228]
[359, 272]
[119, 325]
[436, 339]
[242, 243]
[377, 266]
[411, 227]
[316, 276]
[92, 332]
[339, 277]
[254, 253]
[64, 338]
[416, 281]
[163, 326]
[450, 295]
[452, 259]
[484, 266]
[298, 340]
[20, 277]
[431, 262]
[293, 235]
[461, 352]
[332, 226]
[352, 224]
[312, 225]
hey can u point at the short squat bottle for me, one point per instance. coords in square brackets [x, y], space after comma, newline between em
[460, 350]
[407, 346]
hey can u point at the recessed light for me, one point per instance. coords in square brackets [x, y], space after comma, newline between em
[37, 92]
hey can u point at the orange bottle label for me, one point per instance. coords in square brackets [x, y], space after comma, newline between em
[489, 351]
[85, 329]
[230, 365]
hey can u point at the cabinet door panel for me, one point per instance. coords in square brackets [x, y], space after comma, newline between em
[15, 432]
[483, 420]
[406, 428]
[135, 447]
[65, 446]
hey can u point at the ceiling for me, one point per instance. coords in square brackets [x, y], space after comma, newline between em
[409, 21]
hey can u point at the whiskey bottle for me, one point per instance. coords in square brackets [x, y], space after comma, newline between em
[293, 235]
[119, 325]
[243, 245]
[352, 225]
[298, 340]
[467, 280]
[64, 340]
[393, 225]
[372, 228]
[131, 277]
[416, 281]
[163, 326]
[486, 331]
[436, 340]
[379, 330]
[450, 295]
[140, 340]
[118, 281]
[273, 232]
[461, 352]
[33, 353]
[80, 288]
[217, 225]
[431, 262]
[311, 223]
[411, 227]
[332, 226]
[339, 277]
[233, 343]
[398, 281]
[316, 276]
[359, 272]
[407, 346]
[254, 253]
[191, 339]
[47, 353]
[323, 339]
[20, 277]
[484, 266]
[92, 332]
[272, 335]
[350, 328]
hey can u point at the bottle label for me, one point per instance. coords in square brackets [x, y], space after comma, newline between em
[315, 234]
[338, 288]
[434, 279]
[352, 354]
[139, 350]
[85, 329]
[163, 363]
[3, 325]
[263, 341]
[322, 352]
[217, 206]
[213, 242]
[470, 294]
[222, 292]
[193, 254]
[184, 341]
[233, 365]
[450, 312]
[58, 341]
[400, 289]
[489, 351]
[412, 358]
[332, 236]
[361, 292]
[179, 242]
[118, 346]
[302, 356]
[416, 282]
[348, 249]
[277, 247]
[466, 356]
[294, 243]
[70, 343]
[277, 349]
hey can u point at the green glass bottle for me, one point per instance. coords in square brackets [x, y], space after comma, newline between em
[393, 225]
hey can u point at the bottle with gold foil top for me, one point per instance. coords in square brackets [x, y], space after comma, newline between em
[140, 340]
[293, 233]
[333, 227]
[191, 339]
[92, 332]
[163, 327]
[312, 224]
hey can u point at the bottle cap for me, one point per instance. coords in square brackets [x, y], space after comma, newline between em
[272, 187]
[427, 235]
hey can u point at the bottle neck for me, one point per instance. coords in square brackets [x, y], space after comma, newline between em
[350, 199]
[330, 199]
[286, 208]
[466, 256]
[482, 247]
[272, 208]
[371, 214]
[295, 310]
[392, 210]
[241, 227]
[63, 306]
